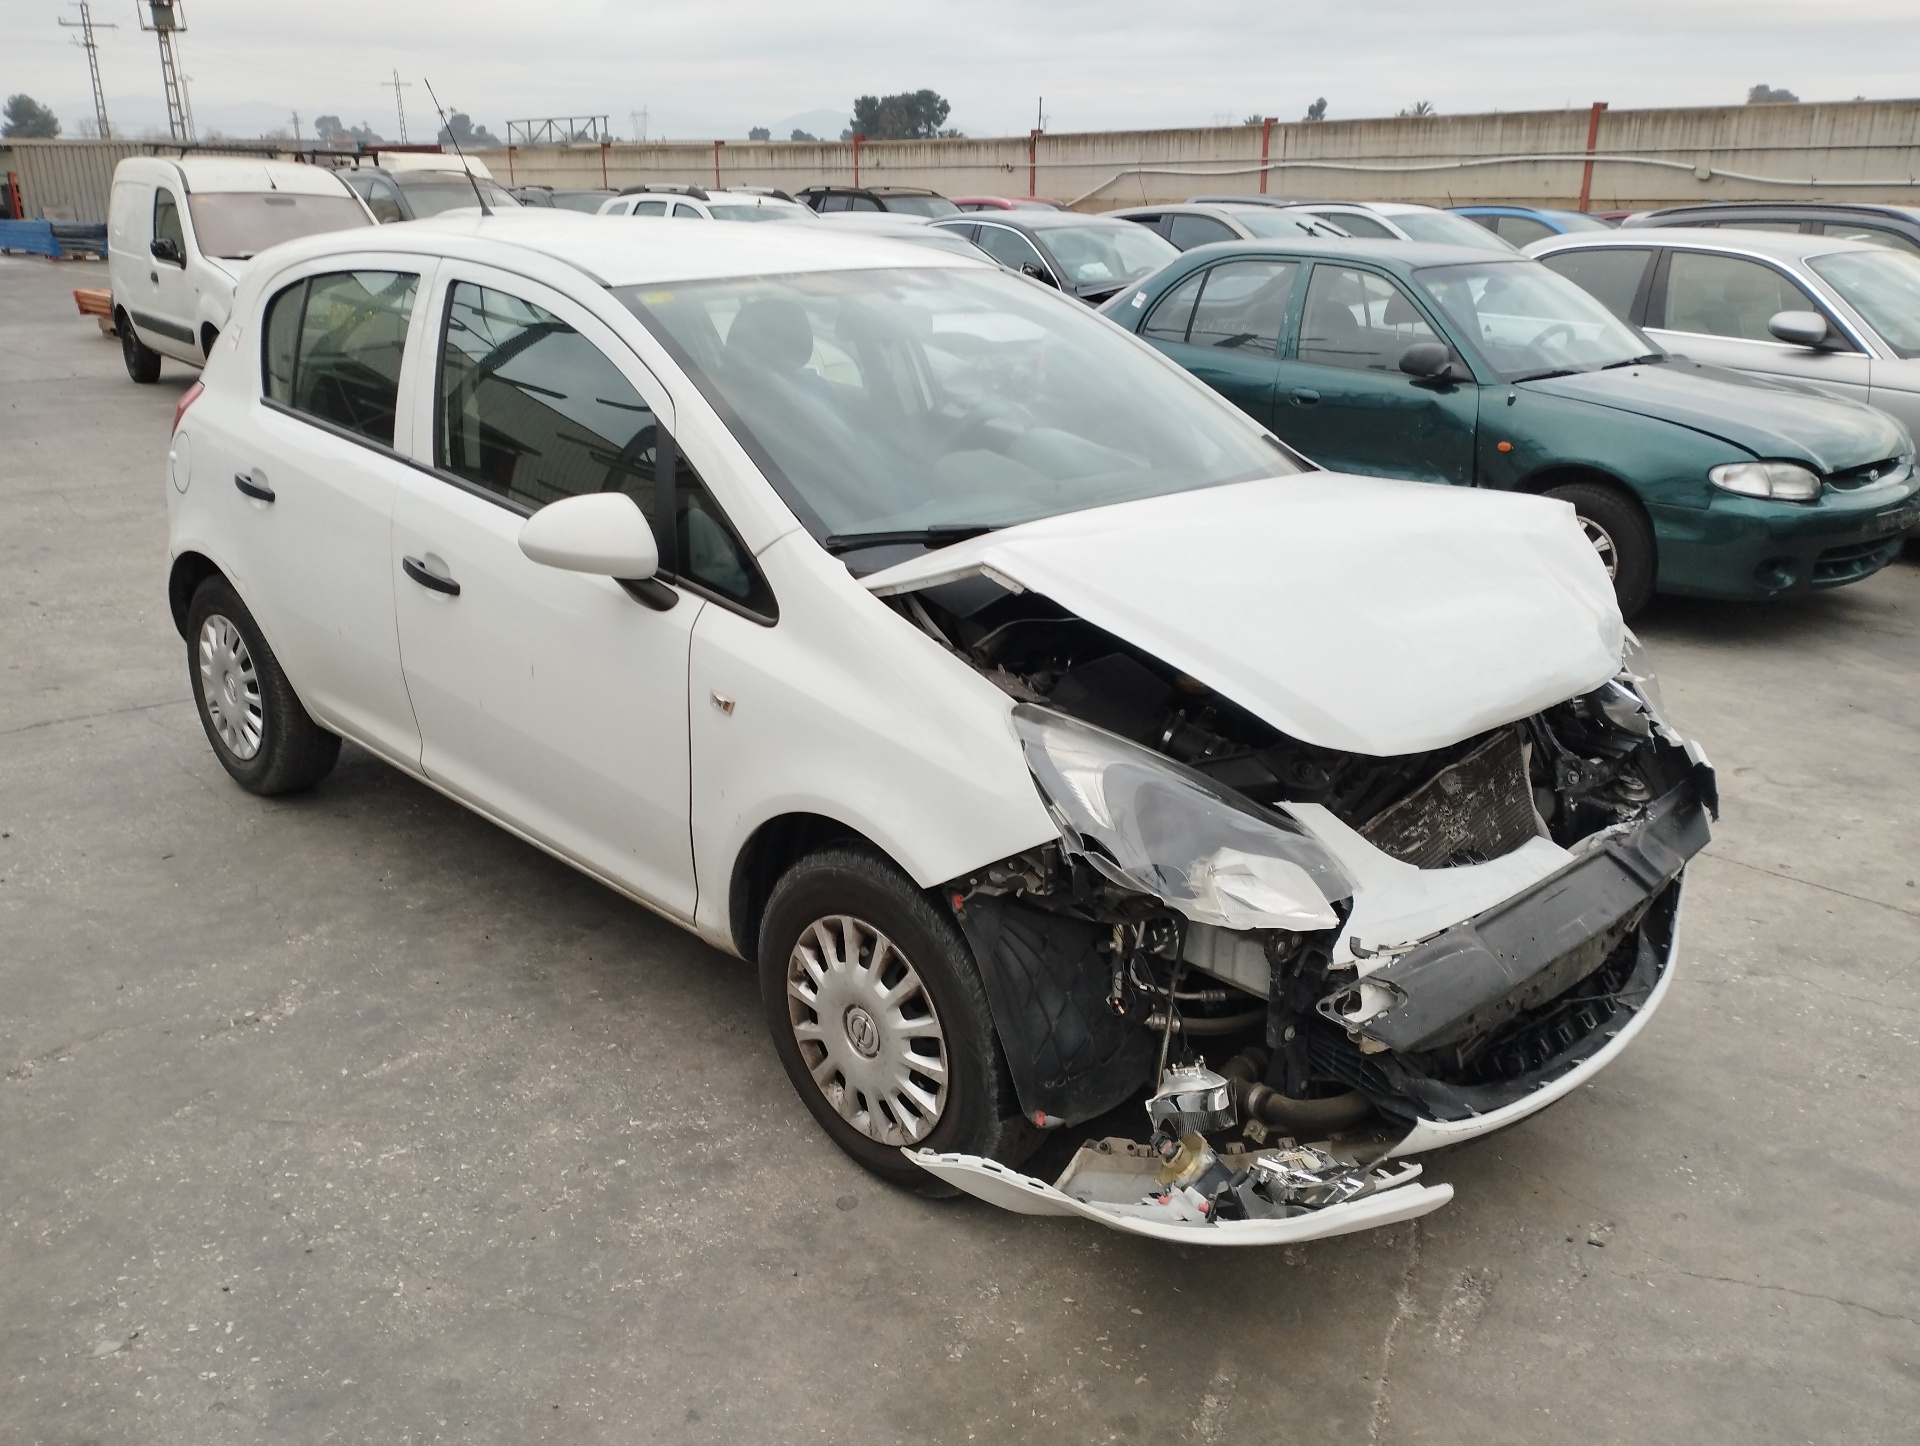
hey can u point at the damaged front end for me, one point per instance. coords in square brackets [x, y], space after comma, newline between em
[1386, 953]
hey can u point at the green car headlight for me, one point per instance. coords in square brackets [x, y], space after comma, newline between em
[1780, 481]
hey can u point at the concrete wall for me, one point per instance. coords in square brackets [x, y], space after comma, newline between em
[1868, 150]
[1862, 150]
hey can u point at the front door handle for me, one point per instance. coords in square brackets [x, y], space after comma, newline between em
[1305, 396]
[254, 487]
[154, 277]
[417, 570]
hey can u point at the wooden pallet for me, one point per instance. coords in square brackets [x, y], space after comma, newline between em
[98, 304]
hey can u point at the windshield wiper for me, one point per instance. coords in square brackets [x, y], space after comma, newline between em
[1635, 361]
[941, 534]
[1542, 376]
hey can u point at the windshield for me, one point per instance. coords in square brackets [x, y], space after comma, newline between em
[238, 224]
[900, 400]
[449, 191]
[1883, 286]
[1529, 322]
[1448, 229]
[1288, 226]
[753, 211]
[920, 205]
[1578, 221]
[1105, 254]
[588, 201]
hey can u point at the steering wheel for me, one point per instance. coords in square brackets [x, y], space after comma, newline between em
[1548, 337]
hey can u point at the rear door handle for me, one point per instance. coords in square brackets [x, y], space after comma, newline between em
[417, 570]
[1305, 396]
[254, 487]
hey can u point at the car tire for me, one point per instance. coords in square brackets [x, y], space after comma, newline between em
[259, 730]
[1620, 534]
[853, 1059]
[143, 362]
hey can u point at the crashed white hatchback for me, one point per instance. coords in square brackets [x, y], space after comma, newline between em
[1050, 735]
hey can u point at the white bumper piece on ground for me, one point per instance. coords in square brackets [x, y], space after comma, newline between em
[1106, 1185]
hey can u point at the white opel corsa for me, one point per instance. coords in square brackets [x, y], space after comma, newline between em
[1039, 724]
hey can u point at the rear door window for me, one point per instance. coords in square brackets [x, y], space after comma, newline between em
[1873, 235]
[333, 345]
[532, 411]
[1610, 274]
[1189, 231]
[1728, 296]
[1244, 305]
[1520, 230]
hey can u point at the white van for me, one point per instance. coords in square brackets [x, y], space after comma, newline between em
[180, 235]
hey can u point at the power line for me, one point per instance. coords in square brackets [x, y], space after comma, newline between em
[86, 28]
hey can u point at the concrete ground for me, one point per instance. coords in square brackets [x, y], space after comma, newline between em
[346, 1117]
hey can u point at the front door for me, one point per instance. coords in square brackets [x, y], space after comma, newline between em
[1715, 309]
[1224, 325]
[310, 484]
[1343, 400]
[169, 312]
[554, 700]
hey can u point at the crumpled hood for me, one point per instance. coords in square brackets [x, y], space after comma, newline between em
[1356, 613]
[1769, 419]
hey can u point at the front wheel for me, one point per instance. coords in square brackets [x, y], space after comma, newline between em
[879, 1016]
[259, 730]
[1620, 536]
[143, 362]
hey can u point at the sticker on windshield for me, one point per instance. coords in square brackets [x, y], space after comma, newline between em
[1139, 299]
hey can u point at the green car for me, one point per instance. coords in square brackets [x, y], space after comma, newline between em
[1401, 359]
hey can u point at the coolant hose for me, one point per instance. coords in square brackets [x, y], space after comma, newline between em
[1310, 1118]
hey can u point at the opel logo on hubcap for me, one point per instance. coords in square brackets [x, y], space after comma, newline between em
[862, 1033]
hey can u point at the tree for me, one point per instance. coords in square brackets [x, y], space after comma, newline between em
[28, 120]
[1767, 95]
[1318, 110]
[800, 135]
[759, 133]
[332, 133]
[908, 116]
[460, 127]
[1419, 108]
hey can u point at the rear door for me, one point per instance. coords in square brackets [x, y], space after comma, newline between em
[1342, 398]
[1224, 325]
[308, 477]
[1714, 307]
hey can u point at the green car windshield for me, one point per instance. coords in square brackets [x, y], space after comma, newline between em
[1883, 286]
[1529, 322]
[905, 400]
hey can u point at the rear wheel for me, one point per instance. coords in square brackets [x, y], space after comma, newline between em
[879, 1016]
[259, 730]
[143, 362]
[1621, 538]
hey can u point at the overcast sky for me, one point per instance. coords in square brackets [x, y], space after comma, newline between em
[717, 67]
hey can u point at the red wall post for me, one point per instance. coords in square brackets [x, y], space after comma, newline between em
[510, 151]
[1033, 161]
[603, 163]
[856, 160]
[1266, 139]
[1593, 137]
[716, 163]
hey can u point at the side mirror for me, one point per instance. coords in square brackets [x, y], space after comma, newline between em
[1427, 359]
[1038, 273]
[165, 248]
[602, 533]
[1799, 328]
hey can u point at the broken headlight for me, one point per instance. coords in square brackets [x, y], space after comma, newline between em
[1158, 828]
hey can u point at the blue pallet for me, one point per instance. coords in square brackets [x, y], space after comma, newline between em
[35, 237]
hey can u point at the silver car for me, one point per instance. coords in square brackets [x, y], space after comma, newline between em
[1196, 223]
[1840, 315]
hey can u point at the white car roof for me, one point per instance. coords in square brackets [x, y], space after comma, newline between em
[642, 249]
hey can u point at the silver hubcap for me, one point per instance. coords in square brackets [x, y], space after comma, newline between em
[231, 688]
[1602, 541]
[867, 1030]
